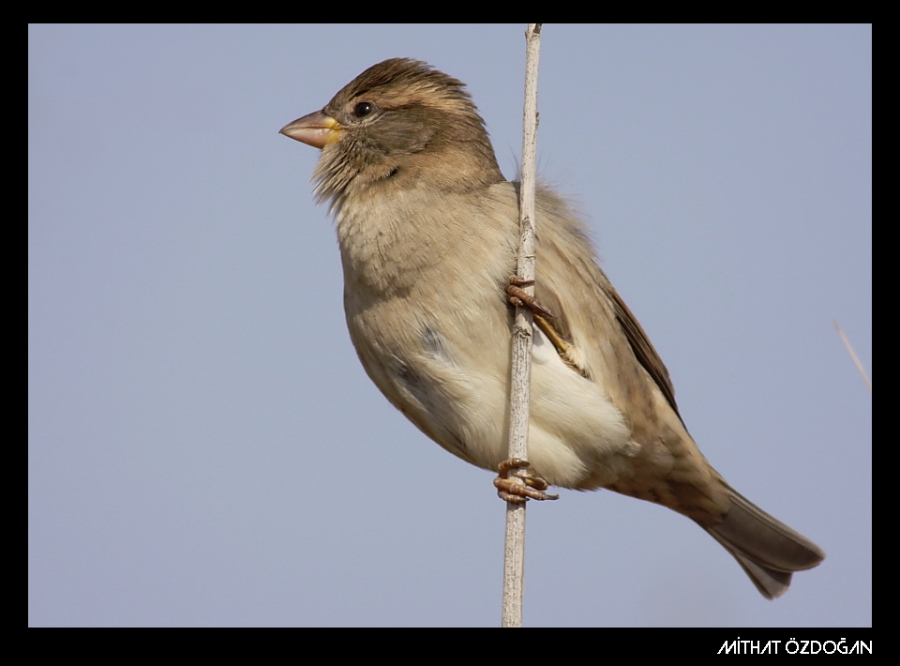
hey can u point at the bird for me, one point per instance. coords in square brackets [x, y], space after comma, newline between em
[427, 227]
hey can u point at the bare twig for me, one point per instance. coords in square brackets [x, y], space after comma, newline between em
[853, 355]
[514, 562]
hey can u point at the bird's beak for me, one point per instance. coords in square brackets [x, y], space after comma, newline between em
[315, 129]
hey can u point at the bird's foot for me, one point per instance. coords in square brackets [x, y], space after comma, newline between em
[522, 299]
[532, 486]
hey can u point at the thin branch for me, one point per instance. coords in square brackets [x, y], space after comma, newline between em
[514, 561]
[859, 365]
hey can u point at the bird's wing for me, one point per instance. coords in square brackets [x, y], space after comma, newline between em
[642, 347]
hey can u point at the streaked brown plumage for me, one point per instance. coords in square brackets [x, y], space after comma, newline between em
[428, 229]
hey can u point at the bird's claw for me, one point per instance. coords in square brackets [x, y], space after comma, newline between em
[522, 299]
[532, 486]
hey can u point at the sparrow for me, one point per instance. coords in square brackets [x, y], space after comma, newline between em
[428, 232]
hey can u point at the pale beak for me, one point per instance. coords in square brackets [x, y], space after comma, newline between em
[315, 129]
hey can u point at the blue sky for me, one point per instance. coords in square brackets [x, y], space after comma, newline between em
[204, 447]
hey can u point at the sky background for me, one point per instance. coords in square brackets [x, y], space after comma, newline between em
[204, 446]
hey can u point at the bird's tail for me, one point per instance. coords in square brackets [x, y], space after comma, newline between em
[767, 550]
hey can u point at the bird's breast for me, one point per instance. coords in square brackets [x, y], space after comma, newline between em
[425, 299]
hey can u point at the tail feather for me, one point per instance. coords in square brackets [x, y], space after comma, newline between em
[767, 550]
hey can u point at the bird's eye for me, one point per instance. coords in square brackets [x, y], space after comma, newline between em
[363, 109]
